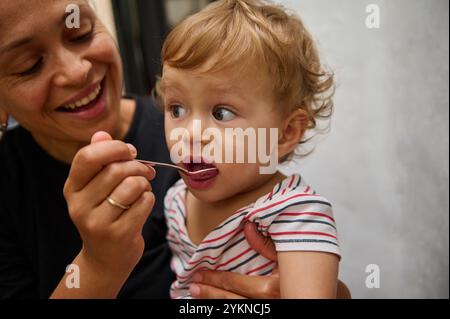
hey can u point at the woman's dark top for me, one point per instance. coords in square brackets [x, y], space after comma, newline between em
[37, 237]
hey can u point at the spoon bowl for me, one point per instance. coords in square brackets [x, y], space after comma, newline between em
[180, 169]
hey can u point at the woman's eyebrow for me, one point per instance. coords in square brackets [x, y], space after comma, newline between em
[26, 40]
[15, 44]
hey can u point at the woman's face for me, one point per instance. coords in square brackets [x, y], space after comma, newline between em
[62, 84]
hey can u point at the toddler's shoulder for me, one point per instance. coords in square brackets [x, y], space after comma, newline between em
[292, 197]
[296, 218]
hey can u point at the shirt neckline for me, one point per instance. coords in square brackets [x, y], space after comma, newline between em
[244, 210]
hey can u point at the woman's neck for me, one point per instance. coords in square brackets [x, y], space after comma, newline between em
[65, 151]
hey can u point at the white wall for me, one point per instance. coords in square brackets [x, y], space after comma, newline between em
[385, 162]
[104, 10]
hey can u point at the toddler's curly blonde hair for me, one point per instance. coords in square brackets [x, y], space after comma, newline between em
[241, 32]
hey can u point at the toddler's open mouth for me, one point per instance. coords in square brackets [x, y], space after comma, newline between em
[194, 167]
[201, 180]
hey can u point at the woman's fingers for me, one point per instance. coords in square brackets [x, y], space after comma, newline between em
[105, 183]
[199, 291]
[133, 220]
[130, 190]
[90, 160]
[263, 245]
[125, 194]
[100, 137]
[111, 230]
[342, 291]
[255, 287]
[227, 284]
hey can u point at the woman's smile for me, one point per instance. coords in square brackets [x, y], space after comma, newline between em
[88, 105]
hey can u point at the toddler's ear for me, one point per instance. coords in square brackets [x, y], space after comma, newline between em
[292, 132]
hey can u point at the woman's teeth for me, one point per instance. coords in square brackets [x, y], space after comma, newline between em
[85, 101]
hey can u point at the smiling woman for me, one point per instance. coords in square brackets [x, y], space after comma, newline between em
[54, 69]
[63, 85]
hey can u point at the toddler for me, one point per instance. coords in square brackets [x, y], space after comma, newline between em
[246, 65]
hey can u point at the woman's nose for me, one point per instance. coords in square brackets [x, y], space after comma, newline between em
[73, 70]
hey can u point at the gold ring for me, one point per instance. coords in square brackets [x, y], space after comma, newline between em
[117, 204]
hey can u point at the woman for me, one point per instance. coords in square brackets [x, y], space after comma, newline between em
[63, 85]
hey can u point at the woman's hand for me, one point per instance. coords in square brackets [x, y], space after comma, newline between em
[230, 285]
[112, 236]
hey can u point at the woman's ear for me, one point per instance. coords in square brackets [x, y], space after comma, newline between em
[292, 132]
[3, 116]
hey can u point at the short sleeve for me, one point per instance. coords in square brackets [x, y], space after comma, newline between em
[297, 219]
[305, 227]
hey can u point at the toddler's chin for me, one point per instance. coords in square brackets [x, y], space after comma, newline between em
[210, 195]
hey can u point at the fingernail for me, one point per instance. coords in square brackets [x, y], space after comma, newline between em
[152, 173]
[197, 278]
[194, 290]
[133, 150]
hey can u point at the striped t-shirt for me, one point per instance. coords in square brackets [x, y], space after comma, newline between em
[292, 215]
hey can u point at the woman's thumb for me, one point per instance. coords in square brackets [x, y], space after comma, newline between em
[263, 245]
[100, 137]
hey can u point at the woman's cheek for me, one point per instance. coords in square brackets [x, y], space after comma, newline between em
[104, 50]
[33, 92]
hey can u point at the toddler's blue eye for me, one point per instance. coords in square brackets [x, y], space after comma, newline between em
[177, 111]
[223, 114]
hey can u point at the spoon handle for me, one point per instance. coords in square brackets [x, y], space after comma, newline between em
[150, 163]
[183, 170]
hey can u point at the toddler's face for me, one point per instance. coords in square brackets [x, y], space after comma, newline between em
[205, 107]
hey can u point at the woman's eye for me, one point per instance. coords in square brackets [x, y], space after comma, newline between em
[177, 111]
[33, 69]
[84, 34]
[223, 114]
[84, 37]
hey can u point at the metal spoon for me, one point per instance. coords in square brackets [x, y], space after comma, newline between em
[181, 169]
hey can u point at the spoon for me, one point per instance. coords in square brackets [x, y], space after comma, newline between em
[181, 169]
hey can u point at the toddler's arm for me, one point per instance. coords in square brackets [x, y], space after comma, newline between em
[308, 274]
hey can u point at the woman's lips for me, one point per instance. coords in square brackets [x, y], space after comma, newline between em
[91, 110]
[83, 94]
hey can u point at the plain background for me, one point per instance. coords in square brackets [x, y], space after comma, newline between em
[385, 162]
